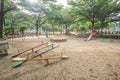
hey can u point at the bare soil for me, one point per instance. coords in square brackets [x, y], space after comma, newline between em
[88, 60]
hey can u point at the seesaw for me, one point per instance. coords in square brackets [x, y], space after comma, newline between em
[30, 49]
[33, 56]
[19, 61]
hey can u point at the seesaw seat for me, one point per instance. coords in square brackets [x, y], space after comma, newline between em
[25, 59]
[18, 59]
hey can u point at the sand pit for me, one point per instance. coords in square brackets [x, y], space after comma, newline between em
[88, 60]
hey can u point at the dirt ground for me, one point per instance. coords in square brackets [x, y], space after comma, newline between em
[88, 60]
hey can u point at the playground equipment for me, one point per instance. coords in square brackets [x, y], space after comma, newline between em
[44, 48]
[59, 39]
[46, 33]
[17, 59]
[90, 37]
[31, 49]
[93, 33]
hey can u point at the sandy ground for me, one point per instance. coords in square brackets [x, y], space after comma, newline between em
[88, 60]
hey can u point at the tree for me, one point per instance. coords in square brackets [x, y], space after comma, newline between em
[13, 19]
[3, 11]
[67, 20]
[102, 11]
[38, 12]
[54, 15]
[108, 11]
[84, 10]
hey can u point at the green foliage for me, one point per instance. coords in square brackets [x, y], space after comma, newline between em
[7, 30]
[46, 27]
[95, 11]
[22, 29]
[83, 14]
[26, 24]
[54, 14]
[82, 28]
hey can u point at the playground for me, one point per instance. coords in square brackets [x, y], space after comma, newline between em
[59, 39]
[96, 59]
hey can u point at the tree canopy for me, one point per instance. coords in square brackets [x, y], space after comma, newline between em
[90, 14]
[102, 11]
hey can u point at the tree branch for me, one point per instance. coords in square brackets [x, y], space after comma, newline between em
[112, 20]
[10, 8]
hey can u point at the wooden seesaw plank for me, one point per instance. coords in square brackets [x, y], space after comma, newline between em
[28, 49]
[59, 57]
[17, 59]
[17, 64]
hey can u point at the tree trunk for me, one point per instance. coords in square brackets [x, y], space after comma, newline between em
[12, 28]
[93, 21]
[37, 32]
[1, 18]
[13, 31]
[53, 29]
[37, 28]
[102, 25]
[66, 30]
[61, 30]
[1, 26]
[92, 25]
